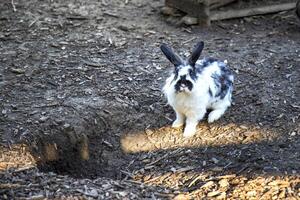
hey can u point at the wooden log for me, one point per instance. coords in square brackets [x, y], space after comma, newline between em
[230, 14]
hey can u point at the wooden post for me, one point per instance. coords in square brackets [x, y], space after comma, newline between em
[298, 9]
[194, 8]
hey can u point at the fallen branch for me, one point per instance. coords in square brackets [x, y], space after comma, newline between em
[93, 64]
[13, 5]
[230, 14]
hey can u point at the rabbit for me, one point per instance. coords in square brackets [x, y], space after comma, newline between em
[196, 86]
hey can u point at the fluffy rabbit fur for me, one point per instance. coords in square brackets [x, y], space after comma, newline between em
[195, 86]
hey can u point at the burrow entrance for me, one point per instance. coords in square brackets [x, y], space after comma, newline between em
[82, 138]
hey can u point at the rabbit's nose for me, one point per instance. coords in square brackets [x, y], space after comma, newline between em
[183, 86]
[181, 83]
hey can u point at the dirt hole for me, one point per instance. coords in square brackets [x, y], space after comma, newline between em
[86, 144]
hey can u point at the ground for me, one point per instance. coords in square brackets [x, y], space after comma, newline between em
[83, 116]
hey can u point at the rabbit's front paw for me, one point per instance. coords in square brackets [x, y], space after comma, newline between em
[189, 131]
[178, 123]
[215, 115]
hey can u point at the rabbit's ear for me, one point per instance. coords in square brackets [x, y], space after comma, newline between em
[196, 53]
[172, 57]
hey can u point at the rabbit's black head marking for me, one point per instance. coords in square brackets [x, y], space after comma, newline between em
[185, 73]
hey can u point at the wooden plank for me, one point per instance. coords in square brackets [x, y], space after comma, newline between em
[219, 3]
[212, 3]
[230, 14]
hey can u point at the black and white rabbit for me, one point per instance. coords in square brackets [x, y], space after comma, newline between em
[195, 86]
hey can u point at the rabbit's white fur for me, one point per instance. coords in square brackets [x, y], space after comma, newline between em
[191, 106]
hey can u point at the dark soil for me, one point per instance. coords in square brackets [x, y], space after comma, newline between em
[80, 93]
